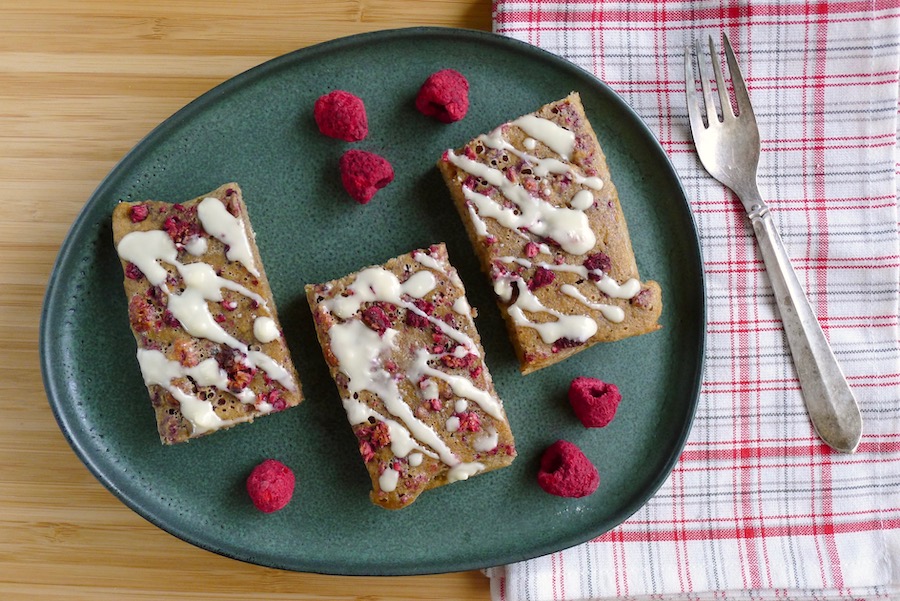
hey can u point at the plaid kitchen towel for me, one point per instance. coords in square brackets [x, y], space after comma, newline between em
[757, 507]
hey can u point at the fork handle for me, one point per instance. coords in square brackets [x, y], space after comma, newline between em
[830, 402]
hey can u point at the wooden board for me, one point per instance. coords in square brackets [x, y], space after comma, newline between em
[80, 84]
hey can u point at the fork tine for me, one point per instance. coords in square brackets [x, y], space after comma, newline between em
[711, 113]
[724, 101]
[741, 97]
[690, 88]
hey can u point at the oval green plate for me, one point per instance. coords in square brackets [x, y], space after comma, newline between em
[257, 129]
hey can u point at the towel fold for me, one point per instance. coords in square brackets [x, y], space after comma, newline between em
[757, 507]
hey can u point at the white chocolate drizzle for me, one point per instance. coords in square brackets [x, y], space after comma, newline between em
[388, 479]
[582, 200]
[540, 166]
[228, 229]
[610, 312]
[487, 441]
[463, 471]
[578, 328]
[462, 306]
[429, 262]
[568, 227]
[461, 387]
[605, 284]
[196, 245]
[379, 284]
[559, 139]
[159, 371]
[265, 330]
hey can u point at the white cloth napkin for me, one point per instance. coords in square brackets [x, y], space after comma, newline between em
[758, 507]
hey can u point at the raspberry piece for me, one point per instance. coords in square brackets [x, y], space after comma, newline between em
[364, 173]
[376, 319]
[596, 261]
[566, 472]
[271, 485]
[542, 277]
[341, 115]
[564, 343]
[138, 213]
[133, 272]
[594, 401]
[444, 96]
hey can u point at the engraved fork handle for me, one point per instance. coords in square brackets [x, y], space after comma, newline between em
[830, 402]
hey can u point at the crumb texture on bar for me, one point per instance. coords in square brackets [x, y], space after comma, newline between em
[539, 205]
[209, 343]
[401, 345]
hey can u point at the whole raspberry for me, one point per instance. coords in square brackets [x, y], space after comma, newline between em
[270, 485]
[594, 401]
[444, 96]
[341, 115]
[364, 173]
[566, 472]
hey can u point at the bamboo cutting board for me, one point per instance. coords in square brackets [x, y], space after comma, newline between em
[80, 84]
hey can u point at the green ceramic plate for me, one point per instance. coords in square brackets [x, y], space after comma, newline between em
[257, 129]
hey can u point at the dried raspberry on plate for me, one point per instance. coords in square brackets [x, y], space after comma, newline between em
[566, 472]
[364, 173]
[444, 96]
[271, 486]
[341, 115]
[594, 401]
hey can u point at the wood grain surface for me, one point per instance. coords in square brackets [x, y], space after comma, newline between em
[80, 83]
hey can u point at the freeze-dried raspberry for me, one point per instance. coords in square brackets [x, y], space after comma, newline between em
[564, 343]
[454, 362]
[468, 421]
[566, 472]
[185, 352]
[141, 313]
[594, 401]
[372, 438]
[341, 115]
[271, 485]
[133, 272]
[181, 229]
[531, 250]
[138, 213]
[642, 299]
[597, 261]
[376, 318]
[444, 96]
[542, 277]
[274, 398]
[415, 320]
[364, 173]
[239, 373]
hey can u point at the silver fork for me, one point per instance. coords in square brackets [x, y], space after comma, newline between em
[729, 150]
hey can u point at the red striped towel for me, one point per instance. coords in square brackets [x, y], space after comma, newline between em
[757, 507]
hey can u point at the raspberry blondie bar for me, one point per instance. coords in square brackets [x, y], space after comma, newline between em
[542, 212]
[209, 343]
[401, 345]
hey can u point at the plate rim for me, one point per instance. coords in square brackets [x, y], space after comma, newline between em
[48, 349]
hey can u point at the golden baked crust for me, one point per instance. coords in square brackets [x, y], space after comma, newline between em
[543, 215]
[401, 344]
[239, 367]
